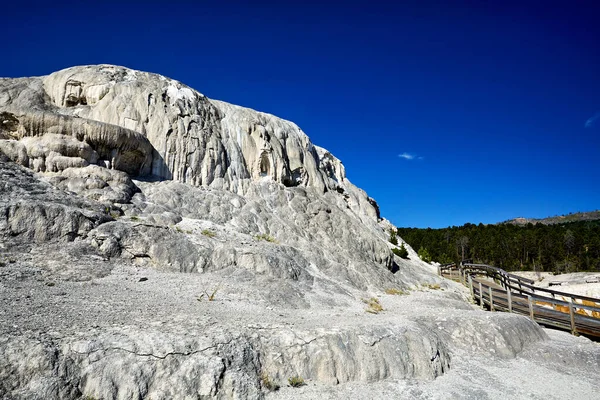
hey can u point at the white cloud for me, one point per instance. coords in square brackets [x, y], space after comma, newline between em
[592, 121]
[408, 156]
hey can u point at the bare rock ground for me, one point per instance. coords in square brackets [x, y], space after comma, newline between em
[142, 333]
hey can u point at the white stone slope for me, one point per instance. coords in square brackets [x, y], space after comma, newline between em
[128, 199]
[84, 126]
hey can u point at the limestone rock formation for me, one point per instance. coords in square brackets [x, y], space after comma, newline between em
[158, 244]
[90, 128]
[195, 140]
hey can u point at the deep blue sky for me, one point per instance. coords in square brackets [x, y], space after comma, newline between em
[489, 98]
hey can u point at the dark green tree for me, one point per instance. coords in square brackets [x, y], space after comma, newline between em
[424, 254]
[401, 252]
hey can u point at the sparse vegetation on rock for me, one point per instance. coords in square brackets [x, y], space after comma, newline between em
[394, 291]
[208, 296]
[208, 233]
[296, 381]
[266, 237]
[433, 286]
[268, 383]
[373, 305]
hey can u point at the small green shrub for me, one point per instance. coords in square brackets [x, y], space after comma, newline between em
[401, 252]
[373, 305]
[208, 233]
[266, 237]
[296, 381]
[267, 383]
[134, 218]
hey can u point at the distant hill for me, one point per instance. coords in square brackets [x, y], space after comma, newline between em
[560, 219]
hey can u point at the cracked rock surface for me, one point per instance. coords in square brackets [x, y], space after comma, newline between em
[156, 244]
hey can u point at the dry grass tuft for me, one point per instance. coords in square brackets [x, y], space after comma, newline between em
[373, 305]
[267, 383]
[209, 297]
[296, 381]
[433, 286]
[208, 233]
[395, 292]
[266, 237]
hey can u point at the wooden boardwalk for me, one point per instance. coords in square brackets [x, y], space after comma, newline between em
[498, 290]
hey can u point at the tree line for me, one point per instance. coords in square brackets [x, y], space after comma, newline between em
[560, 248]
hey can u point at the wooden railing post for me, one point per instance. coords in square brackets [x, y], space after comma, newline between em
[471, 287]
[491, 299]
[572, 314]
[480, 295]
[530, 307]
[509, 297]
[440, 270]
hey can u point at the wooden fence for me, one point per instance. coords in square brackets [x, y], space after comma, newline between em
[512, 293]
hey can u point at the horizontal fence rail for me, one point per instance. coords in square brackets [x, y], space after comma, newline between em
[512, 293]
